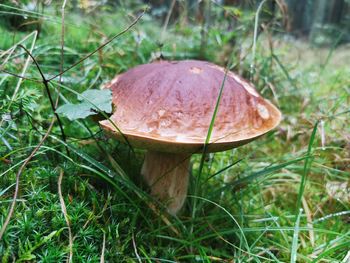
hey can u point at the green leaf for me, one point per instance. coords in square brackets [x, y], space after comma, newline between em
[101, 99]
[75, 111]
[92, 102]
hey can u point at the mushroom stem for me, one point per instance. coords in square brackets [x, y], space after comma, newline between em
[167, 175]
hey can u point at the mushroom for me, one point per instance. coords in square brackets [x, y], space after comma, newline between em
[166, 107]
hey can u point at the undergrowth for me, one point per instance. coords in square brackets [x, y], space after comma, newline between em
[248, 207]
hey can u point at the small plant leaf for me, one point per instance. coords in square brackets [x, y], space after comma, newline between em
[101, 99]
[92, 102]
[75, 111]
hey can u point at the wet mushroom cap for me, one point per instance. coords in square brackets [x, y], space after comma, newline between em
[168, 106]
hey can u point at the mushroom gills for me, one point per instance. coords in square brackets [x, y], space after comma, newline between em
[167, 175]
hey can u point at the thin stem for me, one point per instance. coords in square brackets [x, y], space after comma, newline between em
[19, 76]
[102, 258]
[45, 82]
[64, 211]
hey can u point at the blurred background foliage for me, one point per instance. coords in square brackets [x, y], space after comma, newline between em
[320, 21]
[248, 212]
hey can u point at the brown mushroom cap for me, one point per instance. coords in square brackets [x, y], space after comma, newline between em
[168, 106]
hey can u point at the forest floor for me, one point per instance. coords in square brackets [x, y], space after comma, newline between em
[285, 199]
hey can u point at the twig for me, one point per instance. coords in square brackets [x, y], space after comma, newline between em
[347, 258]
[45, 82]
[19, 76]
[64, 211]
[135, 248]
[9, 215]
[9, 51]
[102, 259]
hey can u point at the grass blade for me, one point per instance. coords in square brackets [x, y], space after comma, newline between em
[294, 249]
